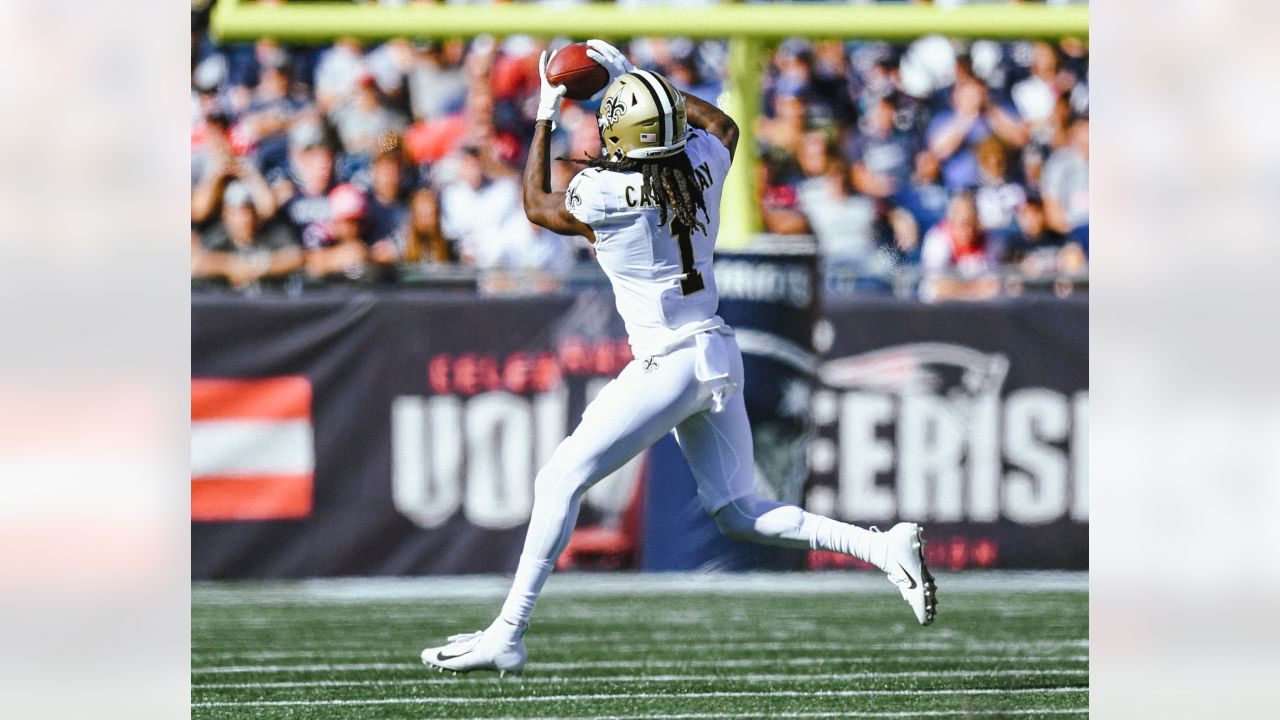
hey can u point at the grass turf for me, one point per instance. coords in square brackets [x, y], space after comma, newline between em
[669, 646]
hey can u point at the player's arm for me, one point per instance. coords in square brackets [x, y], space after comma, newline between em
[541, 206]
[705, 116]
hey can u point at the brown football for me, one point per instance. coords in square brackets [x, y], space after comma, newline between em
[581, 76]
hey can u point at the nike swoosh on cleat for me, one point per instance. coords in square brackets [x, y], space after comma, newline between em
[442, 656]
[909, 577]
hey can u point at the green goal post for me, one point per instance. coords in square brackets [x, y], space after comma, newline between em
[749, 27]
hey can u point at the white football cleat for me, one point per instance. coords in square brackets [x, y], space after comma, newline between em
[500, 648]
[904, 562]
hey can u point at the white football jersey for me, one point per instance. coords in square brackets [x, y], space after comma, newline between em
[662, 284]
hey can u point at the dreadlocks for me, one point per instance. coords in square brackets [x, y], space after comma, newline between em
[669, 183]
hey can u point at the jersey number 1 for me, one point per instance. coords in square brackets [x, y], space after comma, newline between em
[692, 281]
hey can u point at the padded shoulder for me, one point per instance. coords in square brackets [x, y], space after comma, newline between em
[586, 197]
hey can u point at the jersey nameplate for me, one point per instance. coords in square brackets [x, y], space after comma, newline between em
[701, 172]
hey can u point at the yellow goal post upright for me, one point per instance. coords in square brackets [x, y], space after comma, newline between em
[750, 28]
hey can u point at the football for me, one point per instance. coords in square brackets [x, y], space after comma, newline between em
[581, 76]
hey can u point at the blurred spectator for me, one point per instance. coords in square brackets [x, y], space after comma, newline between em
[780, 204]
[1073, 74]
[879, 154]
[364, 119]
[303, 189]
[1036, 249]
[242, 250]
[924, 197]
[971, 118]
[482, 212]
[876, 74]
[1035, 96]
[956, 257]
[780, 134]
[271, 110]
[997, 196]
[841, 220]
[1065, 185]
[207, 80]
[1051, 134]
[684, 72]
[436, 84]
[338, 73]
[387, 214]
[338, 249]
[424, 240]
[244, 67]
[211, 117]
[832, 83]
[388, 65]
[222, 165]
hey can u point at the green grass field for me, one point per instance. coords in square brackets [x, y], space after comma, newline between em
[817, 645]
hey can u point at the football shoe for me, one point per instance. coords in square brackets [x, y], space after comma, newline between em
[904, 563]
[499, 648]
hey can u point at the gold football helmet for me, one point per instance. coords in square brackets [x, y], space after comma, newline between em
[642, 116]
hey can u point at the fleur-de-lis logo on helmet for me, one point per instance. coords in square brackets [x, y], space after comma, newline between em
[614, 109]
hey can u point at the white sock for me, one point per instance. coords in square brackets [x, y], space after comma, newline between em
[531, 575]
[833, 535]
[773, 523]
[505, 630]
[550, 527]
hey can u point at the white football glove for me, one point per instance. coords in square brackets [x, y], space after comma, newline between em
[550, 95]
[610, 57]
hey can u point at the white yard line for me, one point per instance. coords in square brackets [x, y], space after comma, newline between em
[841, 714]
[586, 665]
[588, 585]
[642, 696]
[1039, 647]
[434, 679]
[1034, 646]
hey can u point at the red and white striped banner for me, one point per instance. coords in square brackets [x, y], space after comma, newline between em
[252, 448]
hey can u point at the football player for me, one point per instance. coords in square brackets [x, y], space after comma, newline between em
[650, 205]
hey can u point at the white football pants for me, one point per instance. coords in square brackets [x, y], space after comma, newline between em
[647, 400]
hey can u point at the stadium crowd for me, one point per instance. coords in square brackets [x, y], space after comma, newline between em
[942, 159]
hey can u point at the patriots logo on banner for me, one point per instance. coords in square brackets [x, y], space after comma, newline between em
[940, 368]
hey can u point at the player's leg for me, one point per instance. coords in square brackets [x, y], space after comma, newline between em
[630, 413]
[719, 450]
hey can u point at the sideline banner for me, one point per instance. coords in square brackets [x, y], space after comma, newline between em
[360, 433]
[970, 417]
[424, 420]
